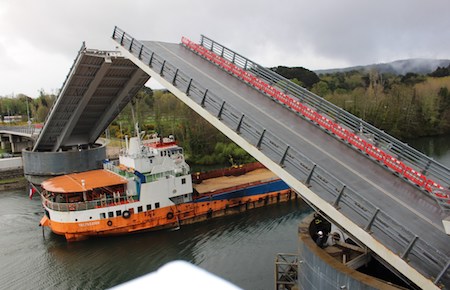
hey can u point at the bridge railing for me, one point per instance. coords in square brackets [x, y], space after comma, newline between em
[57, 99]
[403, 152]
[69, 74]
[298, 165]
[20, 129]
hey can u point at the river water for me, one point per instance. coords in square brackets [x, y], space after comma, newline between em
[239, 248]
[436, 147]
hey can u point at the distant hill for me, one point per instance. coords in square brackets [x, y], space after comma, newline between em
[399, 67]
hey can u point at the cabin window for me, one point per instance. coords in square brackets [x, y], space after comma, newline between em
[118, 212]
[149, 207]
[103, 215]
[157, 205]
[183, 180]
[139, 208]
[110, 214]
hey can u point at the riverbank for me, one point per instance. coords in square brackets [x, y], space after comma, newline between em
[12, 179]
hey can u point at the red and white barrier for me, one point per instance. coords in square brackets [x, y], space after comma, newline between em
[312, 115]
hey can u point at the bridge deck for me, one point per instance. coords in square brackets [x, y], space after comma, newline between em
[390, 216]
[97, 88]
[402, 201]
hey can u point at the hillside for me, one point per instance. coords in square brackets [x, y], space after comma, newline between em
[399, 67]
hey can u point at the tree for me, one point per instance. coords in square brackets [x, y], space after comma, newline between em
[304, 76]
[441, 72]
[321, 88]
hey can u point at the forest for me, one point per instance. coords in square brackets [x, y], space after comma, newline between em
[161, 112]
[405, 106]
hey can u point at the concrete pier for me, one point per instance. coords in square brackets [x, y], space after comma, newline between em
[15, 143]
[321, 268]
[38, 166]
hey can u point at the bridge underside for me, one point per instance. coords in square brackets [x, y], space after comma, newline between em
[280, 139]
[97, 88]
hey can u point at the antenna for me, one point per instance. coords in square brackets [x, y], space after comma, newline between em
[136, 126]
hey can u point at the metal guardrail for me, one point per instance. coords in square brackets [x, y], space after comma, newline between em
[404, 152]
[425, 258]
[58, 97]
[69, 74]
[357, 140]
[20, 129]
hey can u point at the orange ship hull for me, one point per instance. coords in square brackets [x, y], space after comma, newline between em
[165, 218]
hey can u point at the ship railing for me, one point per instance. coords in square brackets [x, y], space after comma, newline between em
[159, 175]
[166, 174]
[86, 205]
[111, 166]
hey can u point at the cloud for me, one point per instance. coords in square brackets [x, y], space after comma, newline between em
[25, 69]
[314, 34]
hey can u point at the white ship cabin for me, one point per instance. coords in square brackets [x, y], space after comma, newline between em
[150, 174]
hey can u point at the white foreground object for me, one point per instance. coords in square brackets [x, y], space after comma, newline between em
[178, 275]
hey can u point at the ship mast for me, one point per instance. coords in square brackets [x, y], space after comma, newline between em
[136, 124]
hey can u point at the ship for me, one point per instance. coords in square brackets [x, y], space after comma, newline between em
[150, 187]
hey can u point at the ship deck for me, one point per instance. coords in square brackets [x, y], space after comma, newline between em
[219, 183]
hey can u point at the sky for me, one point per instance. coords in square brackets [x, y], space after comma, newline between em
[39, 40]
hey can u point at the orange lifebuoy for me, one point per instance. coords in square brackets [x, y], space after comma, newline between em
[169, 215]
[72, 207]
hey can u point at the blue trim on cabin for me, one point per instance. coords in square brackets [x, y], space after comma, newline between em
[140, 175]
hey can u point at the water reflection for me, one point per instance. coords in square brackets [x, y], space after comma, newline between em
[436, 147]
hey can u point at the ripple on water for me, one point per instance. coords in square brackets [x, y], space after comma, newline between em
[240, 248]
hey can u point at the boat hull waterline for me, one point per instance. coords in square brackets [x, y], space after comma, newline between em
[165, 218]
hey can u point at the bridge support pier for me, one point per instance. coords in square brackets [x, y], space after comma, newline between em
[15, 143]
[39, 166]
[5, 144]
[322, 268]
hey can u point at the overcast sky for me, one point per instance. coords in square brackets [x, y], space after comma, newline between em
[40, 39]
